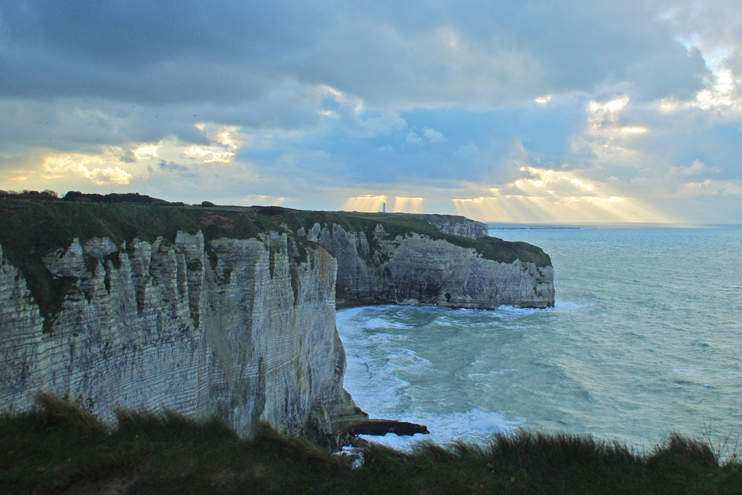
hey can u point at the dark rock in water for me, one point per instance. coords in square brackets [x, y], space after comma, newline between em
[342, 430]
[381, 427]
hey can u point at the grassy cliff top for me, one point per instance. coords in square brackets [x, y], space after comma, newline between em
[403, 224]
[33, 225]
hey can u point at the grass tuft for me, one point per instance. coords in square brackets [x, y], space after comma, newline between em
[63, 414]
[59, 447]
[683, 451]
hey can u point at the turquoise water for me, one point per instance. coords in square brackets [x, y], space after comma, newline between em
[645, 338]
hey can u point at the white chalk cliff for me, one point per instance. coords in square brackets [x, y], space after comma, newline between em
[415, 268]
[240, 328]
[250, 338]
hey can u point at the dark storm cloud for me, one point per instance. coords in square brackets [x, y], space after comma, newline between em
[87, 73]
[138, 33]
[483, 52]
[147, 51]
[494, 52]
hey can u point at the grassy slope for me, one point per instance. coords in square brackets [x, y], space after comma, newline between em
[59, 448]
[30, 229]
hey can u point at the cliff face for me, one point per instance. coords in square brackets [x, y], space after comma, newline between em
[455, 225]
[225, 311]
[375, 268]
[241, 328]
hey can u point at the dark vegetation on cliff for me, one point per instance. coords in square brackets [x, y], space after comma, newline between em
[34, 224]
[60, 448]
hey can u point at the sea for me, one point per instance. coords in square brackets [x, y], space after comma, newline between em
[645, 339]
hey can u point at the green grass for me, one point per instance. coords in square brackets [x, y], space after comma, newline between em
[60, 448]
[31, 229]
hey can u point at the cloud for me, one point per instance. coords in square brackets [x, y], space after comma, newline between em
[413, 138]
[146, 151]
[481, 52]
[467, 150]
[710, 187]
[173, 166]
[84, 166]
[208, 156]
[698, 168]
[128, 156]
[229, 99]
[433, 136]
[369, 124]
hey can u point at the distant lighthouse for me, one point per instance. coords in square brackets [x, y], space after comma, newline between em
[383, 208]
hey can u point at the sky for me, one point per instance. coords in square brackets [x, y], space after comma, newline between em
[536, 112]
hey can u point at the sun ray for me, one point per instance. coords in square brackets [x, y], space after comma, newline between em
[554, 196]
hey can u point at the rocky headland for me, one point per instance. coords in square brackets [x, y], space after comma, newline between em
[225, 311]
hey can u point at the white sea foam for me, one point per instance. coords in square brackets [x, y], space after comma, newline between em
[481, 376]
[474, 425]
[518, 311]
[375, 323]
[443, 323]
[569, 307]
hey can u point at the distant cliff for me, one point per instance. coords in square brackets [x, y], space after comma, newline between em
[455, 225]
[223, 310]
[423, 266]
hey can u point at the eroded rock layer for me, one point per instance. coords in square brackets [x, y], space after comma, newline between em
[221, 310]
[376, 268]
[241, 328]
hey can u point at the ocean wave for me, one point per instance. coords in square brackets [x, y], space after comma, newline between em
[376, 323]
[475, 376]
[475, 425]
[658, 353]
